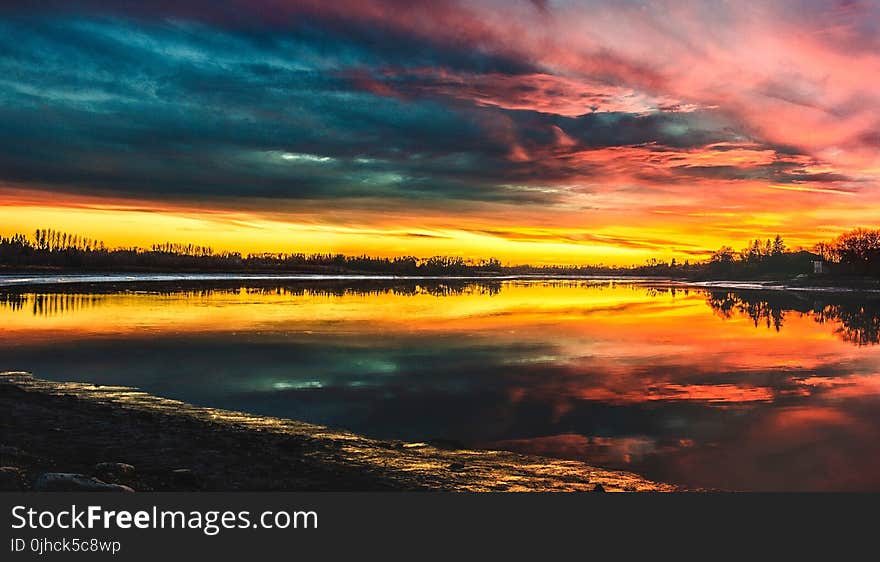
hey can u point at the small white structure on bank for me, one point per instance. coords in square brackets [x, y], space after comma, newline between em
[819, 266]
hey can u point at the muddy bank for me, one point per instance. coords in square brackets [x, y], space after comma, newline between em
[48, 427]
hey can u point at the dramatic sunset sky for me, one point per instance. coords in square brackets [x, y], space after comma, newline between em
[534, 131]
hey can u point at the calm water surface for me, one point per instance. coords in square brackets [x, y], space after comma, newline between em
[709, 388]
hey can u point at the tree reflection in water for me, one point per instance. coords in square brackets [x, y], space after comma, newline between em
[856, 317]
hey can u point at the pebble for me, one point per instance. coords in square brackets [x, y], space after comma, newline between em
[184, 476]
[9, 450]
[11, 478]
[114, 469]
[69, 482]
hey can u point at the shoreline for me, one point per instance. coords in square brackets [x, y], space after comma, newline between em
[16, 280]
[71, 427]
[58, 281]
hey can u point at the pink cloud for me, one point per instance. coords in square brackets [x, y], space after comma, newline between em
[544, 93]
[797, 74]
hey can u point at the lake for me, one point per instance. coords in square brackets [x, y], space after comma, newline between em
[704, 387]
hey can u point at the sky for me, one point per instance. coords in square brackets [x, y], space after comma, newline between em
[533, 131]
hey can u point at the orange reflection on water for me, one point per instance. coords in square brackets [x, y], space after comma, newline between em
[611, 328]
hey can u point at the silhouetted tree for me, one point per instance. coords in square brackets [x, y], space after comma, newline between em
[859, 249]
[778, 246]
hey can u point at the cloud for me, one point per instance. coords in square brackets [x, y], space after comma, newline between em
[388, 106]
[538, 92]
[182, 110]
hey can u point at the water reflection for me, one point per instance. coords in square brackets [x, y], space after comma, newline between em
[855, 319]
[650, 379]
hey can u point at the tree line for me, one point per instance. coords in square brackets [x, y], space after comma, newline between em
[49, 248]
[856, 252]
[853, 253]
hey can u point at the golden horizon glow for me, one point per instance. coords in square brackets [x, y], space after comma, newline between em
[690, 236]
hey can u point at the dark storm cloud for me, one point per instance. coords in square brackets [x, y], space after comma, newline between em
[294, 102]
[180, 109]
[777, 172]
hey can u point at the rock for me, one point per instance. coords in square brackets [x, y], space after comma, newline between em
[115, 469]
[10, 451]
[456, 466]
[68, 482]
[11, 479]
[184, 477]
[598, 488]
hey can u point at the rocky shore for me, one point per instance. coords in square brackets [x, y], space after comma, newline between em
[75, 436]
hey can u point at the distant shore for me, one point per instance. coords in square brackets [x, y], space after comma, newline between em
[120, 280]
[128, 439]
